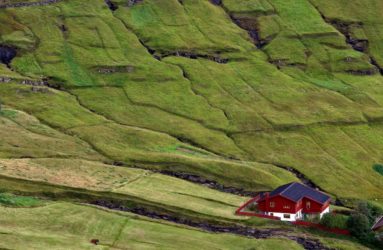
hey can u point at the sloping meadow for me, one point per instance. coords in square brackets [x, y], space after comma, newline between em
[239, 92]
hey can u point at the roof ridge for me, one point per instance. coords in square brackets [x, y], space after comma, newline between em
[289, 186]
[380, 218]
[378, 223]
[307, 196]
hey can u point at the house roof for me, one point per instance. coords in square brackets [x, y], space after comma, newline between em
[378, 224]
[296, 191]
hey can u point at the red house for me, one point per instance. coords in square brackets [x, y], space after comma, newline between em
[293, 201]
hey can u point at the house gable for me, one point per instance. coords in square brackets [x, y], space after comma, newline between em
[278, 204]
[310, 205]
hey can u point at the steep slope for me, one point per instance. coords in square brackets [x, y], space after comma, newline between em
[106, 99]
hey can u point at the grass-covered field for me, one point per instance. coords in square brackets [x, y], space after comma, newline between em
[237, 93]
[67, 226]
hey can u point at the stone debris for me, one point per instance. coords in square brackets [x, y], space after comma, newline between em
[115, 69]
[7, 53]
[5, 79]
[191, 55]
[39, 89]
[111, 5]
[357, 44]
[130, 3]
[34, 83]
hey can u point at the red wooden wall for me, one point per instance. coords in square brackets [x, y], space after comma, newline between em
[284, 205]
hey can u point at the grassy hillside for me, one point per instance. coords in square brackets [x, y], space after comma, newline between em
[103, 97]
[78, 225]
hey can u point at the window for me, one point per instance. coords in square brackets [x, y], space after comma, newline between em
[286, 216]
[286, 206]
[308, 205]
[271, 214]
[272, 204]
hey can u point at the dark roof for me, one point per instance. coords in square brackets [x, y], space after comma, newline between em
[378, 224]
[296, 191]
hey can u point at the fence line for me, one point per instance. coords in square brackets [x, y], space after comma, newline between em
[240, 211]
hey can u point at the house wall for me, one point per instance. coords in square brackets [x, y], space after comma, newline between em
[296, 210]
[281, 205]
[292, 216]
[327, 210]
[313, 206]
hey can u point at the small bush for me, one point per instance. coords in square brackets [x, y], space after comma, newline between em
[253, 207]
[370, 211]
[334, 220]
[378, 168]
[379, 239]
[359, 225]
[8, 113]
[18, 201]
[314, 218]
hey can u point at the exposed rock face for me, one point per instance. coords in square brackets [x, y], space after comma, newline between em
[251, 26]
[216, 2]
[7, 54]
[115, 69]
[133, 2]
[357, 44]
[375, 63]
[190, 55]
[34, 83]
[37, 85]
[209, 183]
[360, 45]
[363, 72]
[63, 28]
[39, 89]
[112, 6]
[5, 79]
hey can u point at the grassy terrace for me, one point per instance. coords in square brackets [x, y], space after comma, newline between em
[125, 182]
[73, 226]
[236, 93]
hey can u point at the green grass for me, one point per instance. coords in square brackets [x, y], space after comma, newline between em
[296, 102]
[352, 12]
[324, 149]
[171, 32]
[128, 182]
[257, 6]
[70, 226]
[23, 135]
[132, 144]
[8, 113]
[10, 200]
